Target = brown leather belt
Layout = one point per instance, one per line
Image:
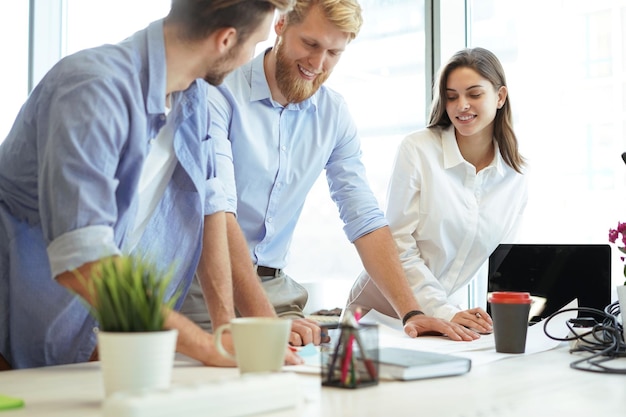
(4, 364)
(264, 271)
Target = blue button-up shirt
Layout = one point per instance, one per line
(269, 156)
(69, 170)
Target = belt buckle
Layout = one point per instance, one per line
(266, 271)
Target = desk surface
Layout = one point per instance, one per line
(542, 384)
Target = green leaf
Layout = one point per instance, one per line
(129, 294)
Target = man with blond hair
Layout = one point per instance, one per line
(276, 128)
(109, 156)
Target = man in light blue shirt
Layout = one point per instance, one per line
(80, 180)
(276, 127)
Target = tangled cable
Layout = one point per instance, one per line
(603, 340)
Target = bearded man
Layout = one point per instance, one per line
(109, 156)
(276, 127)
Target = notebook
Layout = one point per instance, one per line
(407, 364)
(554, 275)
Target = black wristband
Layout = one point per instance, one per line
(410, 314)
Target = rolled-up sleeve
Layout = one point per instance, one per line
(220, 112)
(215, 198)
(73, 249)
(78, 217)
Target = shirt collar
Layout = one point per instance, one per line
(155, 51)
(497, 162)
(260, 89)
(452, 154)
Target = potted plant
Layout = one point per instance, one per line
(129, 297)
(615, 235)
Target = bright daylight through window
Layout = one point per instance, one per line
(566, 67)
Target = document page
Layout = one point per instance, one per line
(479, 351)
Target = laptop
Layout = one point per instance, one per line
(554, 275)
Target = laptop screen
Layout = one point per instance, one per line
(553, 274)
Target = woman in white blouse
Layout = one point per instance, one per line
(456, 192)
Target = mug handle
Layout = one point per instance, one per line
(218, 341)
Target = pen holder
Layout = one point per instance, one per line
(351, 361)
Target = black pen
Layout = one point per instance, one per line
(331, 368)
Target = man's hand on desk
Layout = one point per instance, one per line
(423, 325)
(292, 358)
(306, 331)
(212, 357)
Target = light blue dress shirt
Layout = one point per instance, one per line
(69, 170)
(269, 156)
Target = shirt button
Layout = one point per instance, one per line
(162, 117)
(283, 148)
(269, 219)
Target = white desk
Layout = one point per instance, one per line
(541, 384)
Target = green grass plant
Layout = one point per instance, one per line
(129, 295)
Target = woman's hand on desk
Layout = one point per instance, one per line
(423, 325)
(474, 318)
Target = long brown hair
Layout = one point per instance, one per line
(486, 64)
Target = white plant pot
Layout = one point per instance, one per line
(136, 361)
(621, 297)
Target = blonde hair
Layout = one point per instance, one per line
(345, 14)
(486, 64)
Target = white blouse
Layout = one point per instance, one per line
(446, 220)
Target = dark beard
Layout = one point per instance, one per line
(216, 75)
(291, 86)
(215, 79)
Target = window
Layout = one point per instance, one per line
(14, 79)
(92, 23)
(381, 76)
(566, 69)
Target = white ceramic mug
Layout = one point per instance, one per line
(260, 343)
